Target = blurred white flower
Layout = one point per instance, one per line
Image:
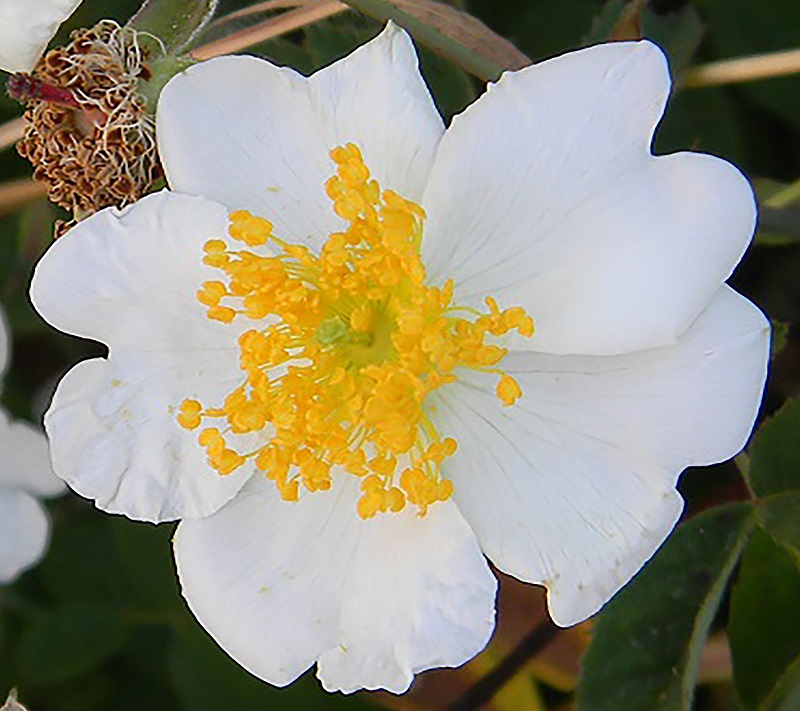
(25, 477)
(26, 27)
(404, 425)
(12, 704)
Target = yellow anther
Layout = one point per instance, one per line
(444, 490)
(439, 451)
(396, 499)
(216, 259)
(372, 483)
(290, 491)
(211, 293)
(221, 313)
(189, 416)
(251, 230)
(369, 504)
(490, 355)
(525, 327)
(508, 390)
(209, 435)
(384, 464)
(227, 461)
(354, 342)
(215, 246)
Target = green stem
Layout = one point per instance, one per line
(162, 70)
(171, 24)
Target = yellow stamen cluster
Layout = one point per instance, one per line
(348, 345)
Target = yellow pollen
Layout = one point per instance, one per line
(189, 416)
(508, 390)
(344, 349)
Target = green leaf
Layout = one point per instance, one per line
(786, 694)
(765, 618)
(70, 641)
(780, 516)
(764, 627)
(647, 640)
(774, 454)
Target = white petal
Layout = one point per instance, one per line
(23, 532)
(251, 135)
(26, 26)
(573, 486)
(114, 438)
(4, 345)
(280, 585)
(25, 460)
(544, 194)
(129, 278)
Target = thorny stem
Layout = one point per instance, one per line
(483, 690)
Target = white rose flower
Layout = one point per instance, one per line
(322, 352)
(25, 477)
(26, 27)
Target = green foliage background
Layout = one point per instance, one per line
(100, 624)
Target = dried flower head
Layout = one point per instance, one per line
(88, 134)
